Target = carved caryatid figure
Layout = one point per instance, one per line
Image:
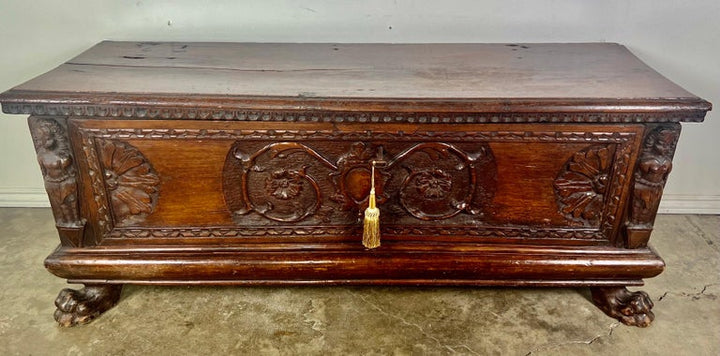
(653, 168)
(58, 169)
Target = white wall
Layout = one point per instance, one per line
(681, 39)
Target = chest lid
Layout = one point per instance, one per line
(129, 78)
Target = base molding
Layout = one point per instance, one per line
(21, 197)
(564, 283)
(18, 197)
(689, 204)
(470, 264)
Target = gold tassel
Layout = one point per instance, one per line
(371, 224)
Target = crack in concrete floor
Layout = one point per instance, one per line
(701, 233)
(693, 296)
(575, 342)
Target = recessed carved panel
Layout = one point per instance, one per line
(314, 182)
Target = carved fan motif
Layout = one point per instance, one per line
(130, 180)
(581, 185)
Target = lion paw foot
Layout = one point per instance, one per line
(630, 308)
(78, 307)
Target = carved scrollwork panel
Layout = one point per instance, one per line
(290, 182)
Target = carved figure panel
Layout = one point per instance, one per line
(130, 180)
(292, 182)
(651, 172)
(60, 176)
(58, 168)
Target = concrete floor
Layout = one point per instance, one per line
(362, 320)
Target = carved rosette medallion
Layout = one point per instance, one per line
(582, 184)
(130, 180)
(443, 181)
(274, 182)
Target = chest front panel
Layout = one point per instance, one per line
(154, 181)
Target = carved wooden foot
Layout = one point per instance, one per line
(78, 307)
(631, 308)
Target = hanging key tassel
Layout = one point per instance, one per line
(371, 224)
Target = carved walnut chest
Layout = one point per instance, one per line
(253, 164)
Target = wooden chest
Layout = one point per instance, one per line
(250, 164)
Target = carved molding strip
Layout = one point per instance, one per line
(488, 232)
(620, 173)
(149, 112)
(469, 136)
(104, 220)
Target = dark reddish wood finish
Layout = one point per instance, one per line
(545, 171)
